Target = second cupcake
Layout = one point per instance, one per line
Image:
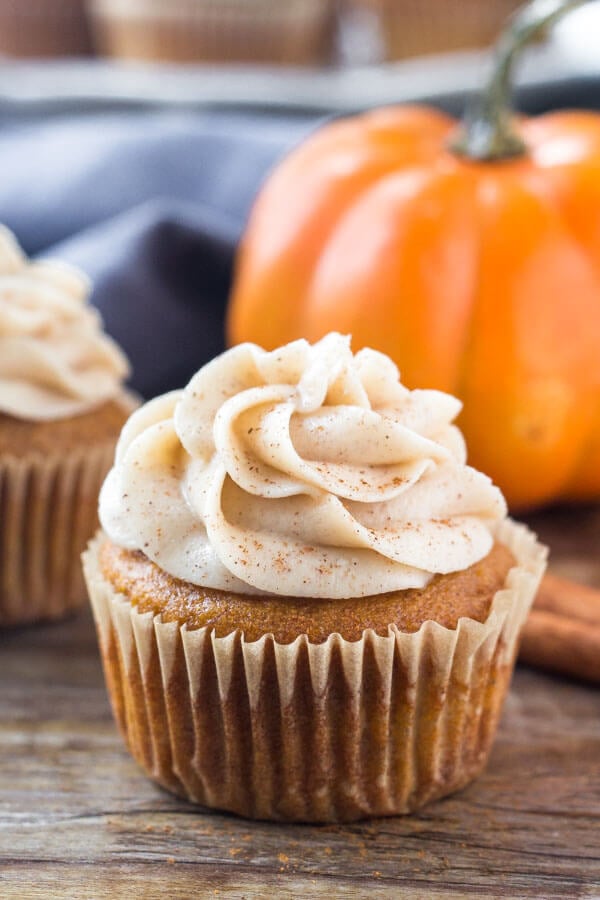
(62, 405)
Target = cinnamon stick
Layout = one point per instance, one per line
(562, 633)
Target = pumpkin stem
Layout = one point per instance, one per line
(487, 131)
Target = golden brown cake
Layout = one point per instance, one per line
(308, 605)
(59, 436)
(444, 600)
(62, 407)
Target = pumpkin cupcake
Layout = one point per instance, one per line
(308, 605)
(62, 406)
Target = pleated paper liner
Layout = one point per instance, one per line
(48, 513)
(416, 27)
(44, 28)
(293, 32)
(48, 510)
(327, 732)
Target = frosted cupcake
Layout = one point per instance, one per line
(308, 605)
(62, 406)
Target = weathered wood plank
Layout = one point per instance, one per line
(105, 882)
(78, 819)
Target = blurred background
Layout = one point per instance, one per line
(295, 32)
(135, 134)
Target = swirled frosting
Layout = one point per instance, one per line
(55, 361)
(307, 472)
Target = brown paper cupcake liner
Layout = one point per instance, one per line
(313, 732)
(416, 27)
(297, 31)
(48, 510)
(44, 28)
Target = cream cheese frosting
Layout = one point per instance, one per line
(307, 471)
(55, 360)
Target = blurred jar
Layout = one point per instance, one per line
(417, 27)
(296, 32)
(43, 28)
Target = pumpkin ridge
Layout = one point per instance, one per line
(469, 337)
(547, 192)
(542, 394)
(304, 313)
(575, 471)
(301, 272)
(353, 209)
(337, 301)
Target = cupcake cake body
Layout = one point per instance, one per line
(62, 406)
(308, 604)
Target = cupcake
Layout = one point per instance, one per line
(308, 605)
(62, 406)
(295, 32)
(417, 27)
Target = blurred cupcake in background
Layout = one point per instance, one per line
(297, 32)
(44, 28)
(62, 406)
(416, 27)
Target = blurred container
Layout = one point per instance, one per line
(416, 27)
(43, 28)
(296, 32)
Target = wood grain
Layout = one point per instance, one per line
(78, 819)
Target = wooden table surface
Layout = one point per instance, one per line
(78, 819)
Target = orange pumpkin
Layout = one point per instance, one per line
(476, 269)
